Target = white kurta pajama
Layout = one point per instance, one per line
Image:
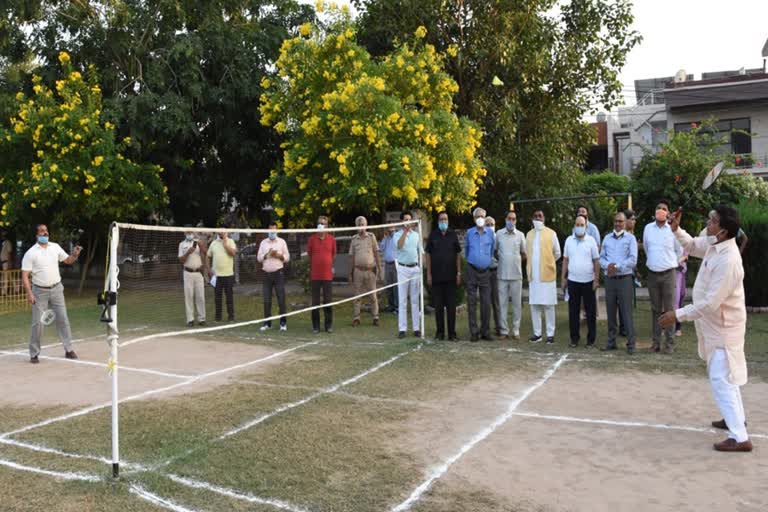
(720, 317)
(542, 296)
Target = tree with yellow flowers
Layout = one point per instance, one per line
(61, 163)
(365, 134)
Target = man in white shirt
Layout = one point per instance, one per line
(40, 265)
(510, 253)
(193, 255)
(720, 316)
(273, 255)
(661, 250)
(543, 251)
(581, 277)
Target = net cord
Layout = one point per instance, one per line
(246, 231)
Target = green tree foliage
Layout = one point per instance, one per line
(677, 172)
(181, 78)
(63, 164)
(528, 72)
(754, 221)
(362, 133)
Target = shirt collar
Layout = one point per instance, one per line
(724, 246)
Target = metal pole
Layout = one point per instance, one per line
(421, 283)
(113, 339)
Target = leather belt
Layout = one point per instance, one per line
(48, 287)
(619, 277)
(193, 271)
(478, 270)
(409, 265)
(389, 262)
(663, 271)
(366, 269)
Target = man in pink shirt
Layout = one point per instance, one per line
(273, 254)
(720, 318)
(321, 249)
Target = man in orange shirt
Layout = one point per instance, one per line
(321, 249)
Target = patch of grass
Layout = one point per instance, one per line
(14, 417)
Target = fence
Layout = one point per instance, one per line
(12, 296)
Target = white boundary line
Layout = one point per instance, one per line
(145, 394)
(229, 326)
(156, 500)
(72, 455)
(477, 438)
(613, 423)
(64, 475)
(238, 495)
(21, 348)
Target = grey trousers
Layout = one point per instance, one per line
(510, 291)
(478, 283)
(49, 299)
(495, 301)
(663, 294)
(619, 297)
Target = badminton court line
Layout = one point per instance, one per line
(64, 475)
(152, 392)
(156, 500)
(19, 348)
(103, 365)
(439, 471)
(72, 455)
(620, 423)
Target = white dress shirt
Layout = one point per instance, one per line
(581, 254)
(660, 247)
(510, 247)
(43, 263)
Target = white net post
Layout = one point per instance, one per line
(112, 340)
(421, 282)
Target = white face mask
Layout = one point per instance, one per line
(480, 222)
(712, 239)
(538, 225)
(321, 226)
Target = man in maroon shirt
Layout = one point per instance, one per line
(321, 249)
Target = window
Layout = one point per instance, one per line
(735, 137)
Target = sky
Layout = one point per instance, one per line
(694, 35)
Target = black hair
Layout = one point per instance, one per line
(37, 227)
(510, 211)
(403, 214)
(537, 210)
(729, 219)
(665, 202)
(443, 212)
(582, 206)
(272, 223)
(628, 213)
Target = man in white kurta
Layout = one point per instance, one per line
(720, 317)
(543, 250)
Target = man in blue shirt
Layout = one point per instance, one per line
(618, 259)
(408, 256)
(478, 249)
(388, 249)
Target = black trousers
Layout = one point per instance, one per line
(444, 299)
(326, 288)
(579, 292)
(274, 280)
(224, 284)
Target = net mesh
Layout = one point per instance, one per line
(152, 281)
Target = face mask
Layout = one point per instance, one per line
(190, 238)
(661, 216)
(42, 239)
(579, 231)
(272, 236)
(510, 225)
(538, 225)
(712, 239)
(443, 226)
(480, 222)
(618, 233)
(321, 226)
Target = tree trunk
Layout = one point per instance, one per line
(90, 253)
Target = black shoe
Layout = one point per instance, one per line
(474, 338)
(630, 350)
(329, 330)
(534, 339)
(315, 331)
(34, 360)
(550, 340)
(439, 336)
(401, 334)
(573, 344)
(453, 338)
(608, 348)
(590, 345)
(487, 338)
(231, 319)
(190, 324)
(70, 355)
(417, 334)
(201, 323)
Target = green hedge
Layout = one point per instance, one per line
(754, 222)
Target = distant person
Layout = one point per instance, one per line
(490, 223)
(40, 266)
(364, 268)
(273, 255)
(222, 253)
(618, 259)
(478, 250)
(409, 252)
(743, 240)
(720, 315)
(193, 255)
(321, 250)
(6, 261)
(388, 250)
(581, 278)
(543, 251)
(443, 275)
(660, 248)
(591, 227)
(510, 253)
(680, 290)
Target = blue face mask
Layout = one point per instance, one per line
(443, 226)
(42, 239)
(510, 225)
(272, 236)
(580, 231)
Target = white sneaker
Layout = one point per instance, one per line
(265, 327)
(283, 327)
